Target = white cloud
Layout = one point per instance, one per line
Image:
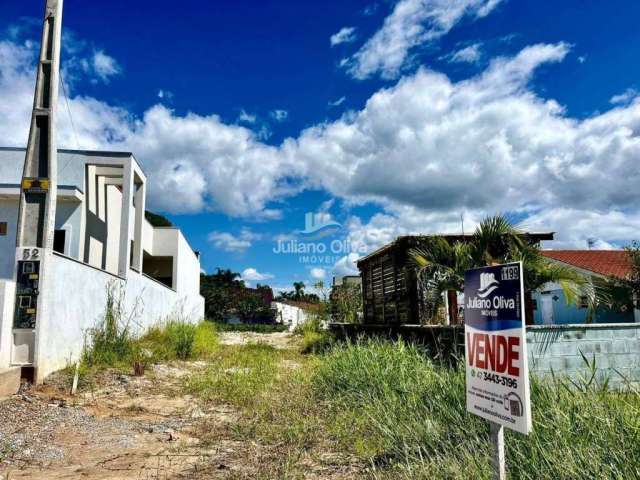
(279, 115)
(317, 273)
(165, 95)
(370, 9)
(245, 117)
(337, 102)
(470, 54)
(412, 22)
(625, 97)
(253, 275)
(345, 35)
(104, 66)
(424, 150)
(346, 266)
(231, 243)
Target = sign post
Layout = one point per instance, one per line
(497, 371)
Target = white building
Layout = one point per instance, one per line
(101, 238)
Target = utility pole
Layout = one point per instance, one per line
(36, 220)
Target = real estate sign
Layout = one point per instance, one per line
(496, 348)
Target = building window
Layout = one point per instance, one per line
(59, 237)
(3, 229)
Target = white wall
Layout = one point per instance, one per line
(69, 218)
(66, 319)
(9, 214)
(114, 216)
(7, 299)
(289, 315)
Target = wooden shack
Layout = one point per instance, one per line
(390, 285)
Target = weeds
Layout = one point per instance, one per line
(111, 341)
(315, 338)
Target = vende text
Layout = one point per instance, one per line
(494, 352)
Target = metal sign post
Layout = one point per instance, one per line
(499, 462)
(497, 371)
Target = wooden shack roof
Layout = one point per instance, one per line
(408, 241)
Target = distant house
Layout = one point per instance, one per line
(292, 313)
(551, 306)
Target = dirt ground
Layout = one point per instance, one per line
(131, 427)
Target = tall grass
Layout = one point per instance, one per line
(407, 416)
(111, 341)
(315, 338)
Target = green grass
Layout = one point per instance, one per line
(237, 374)
(391, 408)
(116, 347)
(249, 327)
(407, 415)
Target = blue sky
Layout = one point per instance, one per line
(390, 117)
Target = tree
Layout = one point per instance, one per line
(219, 292)
(346, 302)
(299, 288)
(157, 220)
(633, 281)
(441, 266)
(298, 294)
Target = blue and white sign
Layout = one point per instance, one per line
(495, 345)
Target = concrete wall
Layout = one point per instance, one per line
(66, 319)
(7, 299)
(9, 214)
(616, 348)
(68, 217)
(289, 315)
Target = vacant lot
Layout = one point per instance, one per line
(251, 405)
(180, 420)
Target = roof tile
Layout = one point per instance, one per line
(611, 263)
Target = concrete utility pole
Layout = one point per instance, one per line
(36, 220)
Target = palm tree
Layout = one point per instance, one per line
(299, 287)
(441, 265)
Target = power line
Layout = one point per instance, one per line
(73, 127)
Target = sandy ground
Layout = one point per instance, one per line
(280, 340)
(128, 427)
